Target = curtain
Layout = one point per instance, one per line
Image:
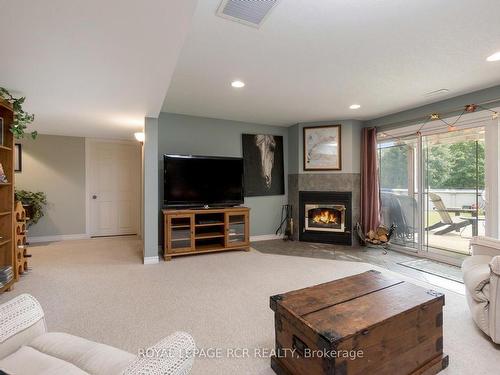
(370, 186)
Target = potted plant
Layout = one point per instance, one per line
(21, 118)
(34, 204)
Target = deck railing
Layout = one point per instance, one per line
(451, 197)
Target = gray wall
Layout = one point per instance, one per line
(293, 149)
(56, 166)
(205, 136)
(150, 187)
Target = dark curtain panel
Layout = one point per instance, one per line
(370, 186)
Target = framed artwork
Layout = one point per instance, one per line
(18, 157)
(263, 164)
(1, 131)
(322, 148)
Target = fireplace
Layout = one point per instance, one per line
(325, 217)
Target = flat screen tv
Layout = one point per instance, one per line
(192, 181)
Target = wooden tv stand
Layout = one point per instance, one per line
(200, 231)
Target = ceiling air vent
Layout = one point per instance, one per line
(248, 12)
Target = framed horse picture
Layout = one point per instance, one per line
(263, 164)
(322, 148)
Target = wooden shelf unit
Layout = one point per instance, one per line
(199, 231)
(4, 242)
(7, 286)
(209, 225)
(21, 245)
(7, 257)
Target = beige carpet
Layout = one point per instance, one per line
(99, 290)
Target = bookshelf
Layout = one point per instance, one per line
(7, 194)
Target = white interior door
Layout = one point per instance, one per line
(114, 172)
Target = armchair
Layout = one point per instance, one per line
(27, 348)
(481, 273)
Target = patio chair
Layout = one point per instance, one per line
(409, 210)
(400, 210)
(386, 202)
(446, 220)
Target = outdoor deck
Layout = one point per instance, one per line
(457, 242)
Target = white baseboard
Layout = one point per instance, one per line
(152, 260)
(59, 237)
(265, 237)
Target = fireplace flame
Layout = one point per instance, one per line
(325, 217)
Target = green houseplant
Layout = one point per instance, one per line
(35, 203)
(21, 118)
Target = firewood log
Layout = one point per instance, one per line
(371, 234)
(382, 230)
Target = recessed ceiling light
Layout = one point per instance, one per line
(437, 92)
(238, 84)
(494, 57)
(355, 106)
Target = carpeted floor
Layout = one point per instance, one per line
(98, 289)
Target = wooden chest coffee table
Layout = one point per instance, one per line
(363, 324)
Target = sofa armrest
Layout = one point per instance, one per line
(174, 355)
(494, 303)
(21, 320)
(485, 246)
(495, 265)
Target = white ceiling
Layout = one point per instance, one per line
(312, 59)
(91, 67)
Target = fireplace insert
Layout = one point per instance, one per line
(325, 217)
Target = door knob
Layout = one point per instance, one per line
(94, 196)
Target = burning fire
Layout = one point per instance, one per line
(325, 217)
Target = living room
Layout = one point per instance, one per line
(234, 187)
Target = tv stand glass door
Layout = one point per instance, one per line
(236, 228)
(181, 229)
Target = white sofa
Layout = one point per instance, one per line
(481, 273)
(26, 348)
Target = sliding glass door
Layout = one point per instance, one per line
(433, 190)
(399, 189)
(454, 196)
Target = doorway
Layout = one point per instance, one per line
(454, 189)
(113, 170)
(433, 187)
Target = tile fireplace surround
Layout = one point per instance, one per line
(332, 182)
